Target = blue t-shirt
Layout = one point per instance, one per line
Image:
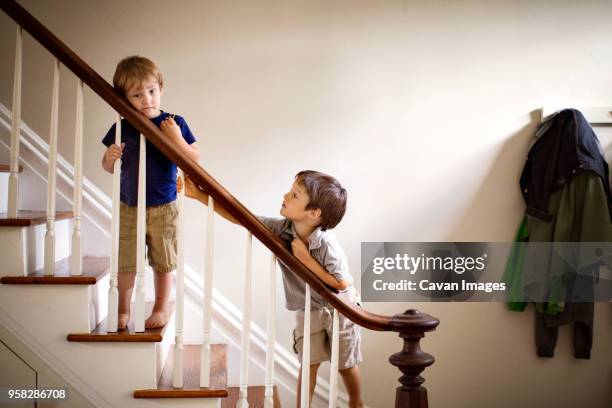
(161, 172)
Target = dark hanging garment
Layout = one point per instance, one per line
(579, 214)
(566, 189)
(566, 147)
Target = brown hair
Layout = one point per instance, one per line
(135, 69)
(326, 194)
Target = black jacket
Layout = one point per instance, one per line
(567, 147)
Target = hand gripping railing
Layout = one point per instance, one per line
(410, 325)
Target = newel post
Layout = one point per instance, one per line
(411, 361)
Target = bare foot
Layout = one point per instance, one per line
(157, 320)
(123, 320)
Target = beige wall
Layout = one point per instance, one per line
(424, 110)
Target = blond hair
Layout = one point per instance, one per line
(135, 69)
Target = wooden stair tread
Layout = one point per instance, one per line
(6, 168)
(26, 218)
(94, 269)
(128, 335)
(256, 395)
(191, 375)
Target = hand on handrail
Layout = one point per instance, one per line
(195, 192)
(191, 191)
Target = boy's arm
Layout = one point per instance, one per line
(298, 247)
(193, 191)
(112, 153)
(173, 131)
(301, 252)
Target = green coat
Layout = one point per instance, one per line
(580, 214)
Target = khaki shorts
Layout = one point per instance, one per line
(349, 354)
(160, 238)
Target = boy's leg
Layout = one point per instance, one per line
(127, 263)
(161, 309)
(349, 358)
(161, 242)
(311, 385)
(125, 287)
(352, 381)
(319, 347)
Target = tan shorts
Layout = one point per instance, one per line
(321, 335)
(160, 238)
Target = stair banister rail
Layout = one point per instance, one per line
(305, 371)
(270, 336)
(333, 363)
(49, 257)
(13, 191)
(177, 367)
(410, 325)
(205, 351)
(113, 287)
(246, 325)
(76, 254)
(141, 232)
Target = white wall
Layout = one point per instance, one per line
(423, 110)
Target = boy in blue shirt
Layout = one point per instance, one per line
(315, 204)
(141, 83)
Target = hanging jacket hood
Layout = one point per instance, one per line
(567, 146)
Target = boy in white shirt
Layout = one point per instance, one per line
(315, 204)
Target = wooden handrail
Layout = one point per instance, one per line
(411, 325)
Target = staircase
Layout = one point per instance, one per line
(65, 315)
(54, 299)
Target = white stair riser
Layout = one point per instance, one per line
(22, 249)
(47, 311)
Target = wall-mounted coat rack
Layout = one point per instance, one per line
(596, 115)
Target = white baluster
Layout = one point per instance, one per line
(177, 373)
(333, 369)
(271, 341)
(113, 292)
(246, 325)
(76, 255)
(305, 391)
(207, 301)
(50, 234)
(139, 314)
(13, 193)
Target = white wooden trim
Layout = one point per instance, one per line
(141, 230)
(596, 115)
(113, 288)
(205, 358)
(271, 338)
(305, 390)
(76, 254)
(177, 373)
(333, 366)
(51, 183)
(246, 324)
(13, 192)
